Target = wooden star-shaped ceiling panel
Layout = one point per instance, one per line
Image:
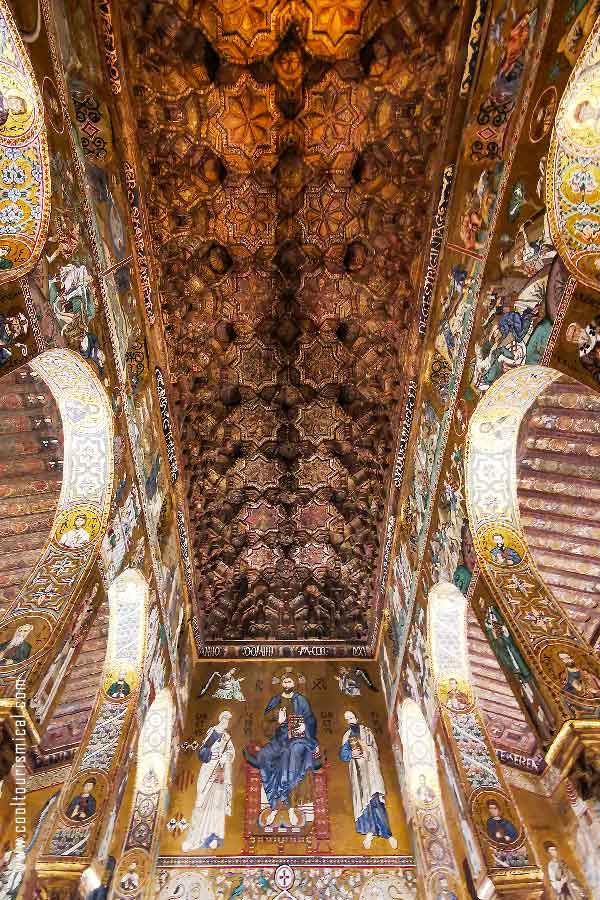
(289, 150)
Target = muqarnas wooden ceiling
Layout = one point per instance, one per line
(289, 151)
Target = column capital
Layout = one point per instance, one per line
(526, 883)
(574, 738)
(58, 880)
(10, 711)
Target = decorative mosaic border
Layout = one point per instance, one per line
(297, 862)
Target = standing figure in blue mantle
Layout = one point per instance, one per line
(292, 751)
(368, 789)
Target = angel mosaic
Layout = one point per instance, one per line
(228, 686)
(351, 680)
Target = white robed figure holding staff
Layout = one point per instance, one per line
(213, 790)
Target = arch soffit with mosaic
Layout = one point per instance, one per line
(24, 160)
(92, 789)
(573, 168)
(553, 645)
(447, 635)
(424, 798)
(482, 784)
(147, 813)
(40, 612)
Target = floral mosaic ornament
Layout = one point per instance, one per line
(24, 165)
(423, 798)
(146, 816)
(573, 169)
(286, 883)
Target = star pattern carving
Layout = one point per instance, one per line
(289, 147)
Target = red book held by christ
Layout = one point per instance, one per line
(294, 729)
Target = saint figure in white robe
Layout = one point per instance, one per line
(359, 749)
(563, 881)
(213, 789)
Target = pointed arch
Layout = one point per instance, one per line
(135, 867)
(534, 615)
(424, 800)
(573, 168)
(24, 158)
(90, 790)
(501, 834)
(39, 615)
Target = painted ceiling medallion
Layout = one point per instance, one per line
(24, 168)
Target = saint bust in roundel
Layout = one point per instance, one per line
(502, 545)
(11, 105)
(77, 528)
(18, 110)
(17, 648)
(503, 555)
(498, 827)
(83, 805)
(77, 536)
(23, 638)
(457, 700)
(575, 671)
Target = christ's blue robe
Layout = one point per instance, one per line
(284, 761)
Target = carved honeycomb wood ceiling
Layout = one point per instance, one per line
(289, 150)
